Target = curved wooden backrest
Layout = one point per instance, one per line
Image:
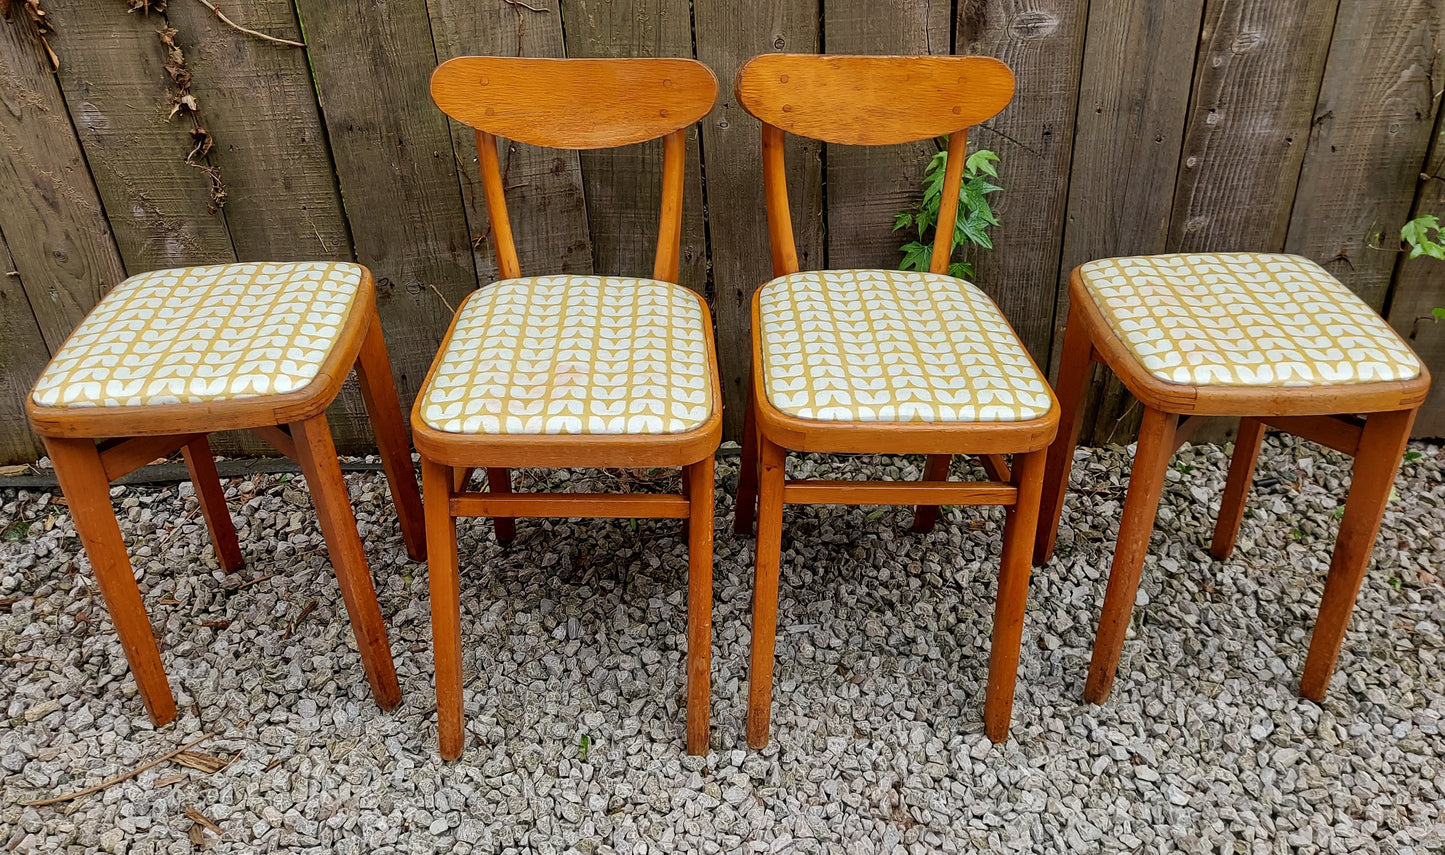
(574, 103)
(873, 100)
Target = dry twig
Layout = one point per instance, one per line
(118, 778)
(247, 30)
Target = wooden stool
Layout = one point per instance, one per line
(1271, 338)
(562, 371)
(885, 361)
(171, 356)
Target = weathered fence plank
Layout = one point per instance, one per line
(1043, 42)
(1372, 127)
(624, 185)
(62, 244)
(23, 355)
(1256, 79)
(868, 186)
(544, 186)
(727, 35)
(396, 167)
(258, 103)
(1133, 100)
(112, 71)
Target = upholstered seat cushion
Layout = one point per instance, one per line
(893, 346)
(200, 334)
(573, 355)
(1244, 319)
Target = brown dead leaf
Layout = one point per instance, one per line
(201, 762)
(171, 779)
(1428, 578)
(198, 836)
(17, 469)
(201, 818)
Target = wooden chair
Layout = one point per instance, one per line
(876, 361)
(1271, 338)
(171, 356)
(558, 371)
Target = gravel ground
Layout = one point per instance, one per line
(575, 640)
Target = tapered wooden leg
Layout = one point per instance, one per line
(212, 497)
(82, 480)
(925, 516)
(1074, 368)
(446, 606)
(747, 471)
(1236, 489)
(1377, 461)
(499, 480)
(765, 589)
(319, 463)
(378, 389)
(686, 491)
(699, 603)
(1146, 482)
(461, 477)
(1013, 591)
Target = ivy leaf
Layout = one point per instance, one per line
(960, 270)
(916, 256)
(1439, 314)
(905, 219)
(983, 161)
(1416, 234)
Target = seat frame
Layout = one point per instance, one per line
(571, 103)
(294, 424)
(844, 99)
(1327, 414)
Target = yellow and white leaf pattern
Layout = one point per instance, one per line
(198, 334)
(573, 355)
(893, 346)
(1245, 319)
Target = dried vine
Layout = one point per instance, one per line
(182, 101)
(38, 20)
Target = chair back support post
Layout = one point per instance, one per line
(775, 188)
(669, 221)
(948, 205)
(501, 227)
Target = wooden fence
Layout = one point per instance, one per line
(1140, 126)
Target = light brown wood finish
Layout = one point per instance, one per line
(852, 99)
(926, 516)
(1326, 414)
(1013, 590)
(572, 104)
(295, 423)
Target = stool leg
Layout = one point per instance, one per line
(765, 589)
(82, 480)
(212, 497)
(1073, 381)
(1377, 460)
(926, 516)
(1146, 482)
(1236, 489)
(499, 480)
(1013, 591)
(446, 607)
(378, 390)
(699, 603)
(317, 453)
(747, 471)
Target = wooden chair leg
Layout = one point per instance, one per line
(747, 471)
(699, 603)
(926, 516)
(765, 589)
(317, 455)
(1073, 381)
(1013, 591)
(1146, 483)
(446, 607)
(212, 497)
(82, 480)
(1236, 488)
(499, 480)
(687, 491)
(1382, 445)
(378, 390)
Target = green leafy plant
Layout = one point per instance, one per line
(1416, 235)
(975, 216)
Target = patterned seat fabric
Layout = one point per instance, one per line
(199, 334)
(893, 346)
(1246, 319)
(573, 355)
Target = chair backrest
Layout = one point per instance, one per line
(868, 100)
(578, 104)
